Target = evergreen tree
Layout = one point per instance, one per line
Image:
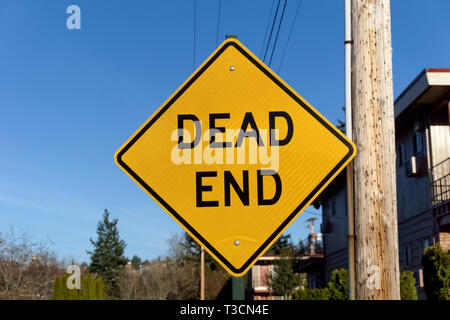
(57, 293)
(338, 285)
(107, 258)
(88, 288)
(136, 262)
(283, 246)
(190, 248)
(91, 289)
(341, 124)
(187, 249)
(436, 273)
(99, 289)
(408, 289)
(283, 280)
(301, 248)
(66, 293)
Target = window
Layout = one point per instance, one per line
(401, 154)
(417, 142)
(333, 207)
(417, 277)
(346, 204)
(425, 244)
(407, 255)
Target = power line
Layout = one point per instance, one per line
(267, 28)
(278, 31)
(290, 33)
(218, 23)
(310, 212)
(323, 215)
(271, 30)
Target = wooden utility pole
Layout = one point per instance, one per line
(202, 274)
(377, 265)
(349, 134)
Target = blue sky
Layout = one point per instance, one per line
(70, 98)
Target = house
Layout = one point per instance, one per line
(306, 261)
(422, 113)
(259, 273)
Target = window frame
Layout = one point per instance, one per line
(401, 153)
(417, 142)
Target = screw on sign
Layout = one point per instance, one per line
(234, 156)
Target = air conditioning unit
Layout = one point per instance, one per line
(326, 227)
(416, 166)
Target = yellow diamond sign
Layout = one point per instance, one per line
(234, 156)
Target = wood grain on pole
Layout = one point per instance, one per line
(202, 273)
(374, 166)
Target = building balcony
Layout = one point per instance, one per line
(440, 189)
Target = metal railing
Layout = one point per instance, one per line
(310, 246)
(440, 182)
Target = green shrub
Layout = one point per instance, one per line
(99, 288)
(338, 288)
(57, 293)
(283, 279)
(338, 285)
(311, 294)
(91, 289)
(436, 273)
(408, 289)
